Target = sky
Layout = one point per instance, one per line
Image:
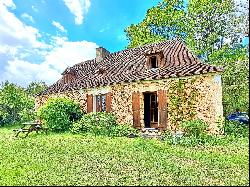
(40, 38)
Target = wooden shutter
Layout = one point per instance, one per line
(162, 107)
(160, 60)
(136, 109)
(89, 103)
(108, 102)
(148, 62)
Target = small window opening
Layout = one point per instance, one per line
(153, 61)
(101, 103)
(101, 71)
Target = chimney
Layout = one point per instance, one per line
(101, 53)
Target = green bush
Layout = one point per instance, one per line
(14, 102)
(124, 130)
(194, 134)
(27, 115)
(236, 129)
(194, 128)
(99, 123)
(57, 113)
(102, 123)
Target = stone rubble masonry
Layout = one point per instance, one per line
(208, 107)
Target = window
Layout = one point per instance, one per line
(101, 103)
(68, 78)
(153, 62)
(153, 108)
(102, 71)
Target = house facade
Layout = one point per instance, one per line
(153, 86)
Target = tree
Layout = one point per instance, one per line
(213, 30)
(235, 77)
(35, 88)
(204, 25)
(211, 25)
(164, 21)
(13, 101)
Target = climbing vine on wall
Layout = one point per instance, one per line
(182, 101)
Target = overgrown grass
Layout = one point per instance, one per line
(66, 159)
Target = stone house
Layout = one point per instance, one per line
(152, 86)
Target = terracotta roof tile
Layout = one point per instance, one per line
(129, 65)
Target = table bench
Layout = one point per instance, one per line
(29, 127)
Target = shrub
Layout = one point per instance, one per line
(194, 134)
(99, 123)
(27, 115)
(102, 123)
(194, 127)
(14, 102)
(190, 140)
(236, 129)
(57, 113)
(124, 130)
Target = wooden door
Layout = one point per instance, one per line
(162, 99)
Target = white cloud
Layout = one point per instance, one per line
(28, 17)
(12, 51)
(78, 8)
(23, 58)
(8, 3)
(14, 32)
(70, 53)
(59, 26)
(65, 54)
(23, 72)
(58, 41)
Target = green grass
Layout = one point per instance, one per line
(66, 159)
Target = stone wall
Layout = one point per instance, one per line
(208, 102)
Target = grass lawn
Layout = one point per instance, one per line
(66, 159)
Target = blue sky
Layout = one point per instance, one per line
(40, 38)
(103, 21)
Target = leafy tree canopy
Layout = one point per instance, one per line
(213, 30)
(17, 103)
(36, 88)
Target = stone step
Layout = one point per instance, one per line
(149, 130)
(150, 133)
(151, 136)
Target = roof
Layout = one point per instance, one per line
(129, 65)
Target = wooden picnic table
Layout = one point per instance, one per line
(30, 127)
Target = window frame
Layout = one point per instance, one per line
(159, 59)
(151, 61)
(100, 106)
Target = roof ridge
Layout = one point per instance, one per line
(116, 52)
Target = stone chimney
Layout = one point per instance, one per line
(101, 53)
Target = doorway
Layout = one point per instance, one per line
(150, 110)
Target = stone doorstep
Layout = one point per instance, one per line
(150, 133)
(150, 130)
(151, 136)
